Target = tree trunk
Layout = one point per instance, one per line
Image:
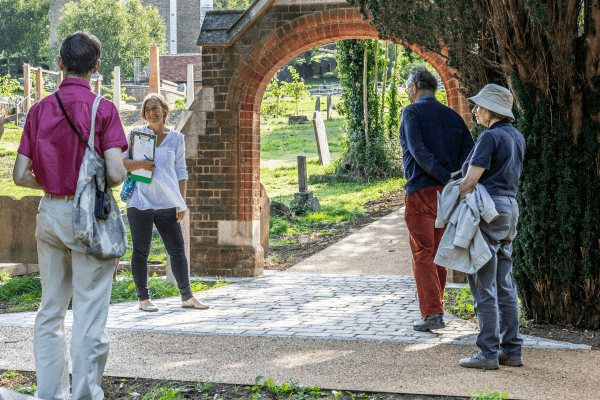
(365, 90)
(385, 72)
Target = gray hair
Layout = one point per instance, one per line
(422, 79)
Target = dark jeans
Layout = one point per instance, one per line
(420, 214)
(494, 292)
(140, 222)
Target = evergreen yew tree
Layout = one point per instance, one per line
(547, 52)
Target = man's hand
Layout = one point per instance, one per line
(22, 176)
(452, 175)
(180, 216)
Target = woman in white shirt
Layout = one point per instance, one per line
(160, 202)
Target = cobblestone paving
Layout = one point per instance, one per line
(299, 305)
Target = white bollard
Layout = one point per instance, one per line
(190, 85)
(117, 88)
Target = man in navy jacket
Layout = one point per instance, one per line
(435, 143)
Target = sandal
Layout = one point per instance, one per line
(149, 306)
(194, 303)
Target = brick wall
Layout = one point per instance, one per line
(224, 177)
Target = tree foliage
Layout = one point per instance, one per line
(377, 153)
(297, 89)
(231, 4)
(126, 30)
(546, 52)
(8, 86)
(24, 32)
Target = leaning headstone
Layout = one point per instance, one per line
(318, 104)
(321, 137)
(329, 107)
(6, 394)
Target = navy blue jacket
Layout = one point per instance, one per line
(435, 142)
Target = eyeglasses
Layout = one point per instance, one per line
(152, 110)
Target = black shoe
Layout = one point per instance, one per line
(511, 361)
(477, 360)
(433, 321)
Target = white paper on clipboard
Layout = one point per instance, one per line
(143, 148)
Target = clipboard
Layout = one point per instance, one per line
(141, 145)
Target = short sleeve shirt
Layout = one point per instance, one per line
(52, 145)
(500, 150)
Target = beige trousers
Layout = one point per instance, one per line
(66, 271)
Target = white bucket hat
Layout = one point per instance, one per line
(495, 98)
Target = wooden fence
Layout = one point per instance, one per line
(46, 82)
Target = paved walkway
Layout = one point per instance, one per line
(348, 329)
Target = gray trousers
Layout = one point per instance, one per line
(494, 292)
(66, 271)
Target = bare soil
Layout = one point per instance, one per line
(121, 388)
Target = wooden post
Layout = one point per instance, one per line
(26, 86)
(39, 83)
(98, 86)
(1, 126)
(302, 178)
(329, 107)
(17, 115)
(190, 86)
(154, 70)
(117, 87)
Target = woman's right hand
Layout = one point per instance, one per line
(148, 165)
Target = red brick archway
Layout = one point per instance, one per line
(254, 72)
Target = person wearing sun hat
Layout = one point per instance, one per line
(496, 162)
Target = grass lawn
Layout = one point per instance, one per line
(280, 145)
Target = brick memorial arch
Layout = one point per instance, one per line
(241, 52)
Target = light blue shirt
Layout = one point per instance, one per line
(169, 168)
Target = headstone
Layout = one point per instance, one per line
(321, 137)
(136, 70)
(329, 107)
(6, 394)
(303, 195)
(265, 213)
(297, 119)
(318, 104)
(302, 176)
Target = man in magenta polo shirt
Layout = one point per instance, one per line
(49, 159)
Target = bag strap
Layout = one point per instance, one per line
(69, 119)
(93, 127)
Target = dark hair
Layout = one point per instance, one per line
(79, 52)
(422, 79)
(161, 100)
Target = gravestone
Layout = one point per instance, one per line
(321, 137)
(329, 107)
(297, 119)
(303, 195)
(318, 104)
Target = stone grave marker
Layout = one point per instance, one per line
(318, 104)
(303, 195)
(329, 107)
(321, 137)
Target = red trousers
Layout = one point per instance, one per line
(420, 214)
